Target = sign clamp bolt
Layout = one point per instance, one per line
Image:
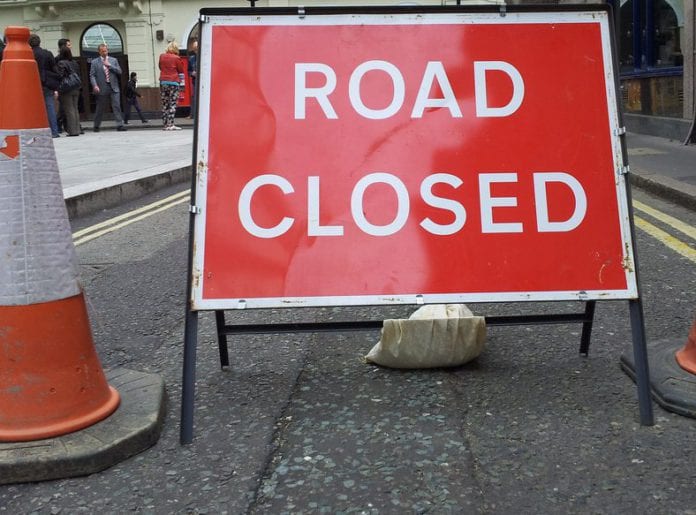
(195, 210)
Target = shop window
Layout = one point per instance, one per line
(667, 48)
(649, 35)
(97, 34)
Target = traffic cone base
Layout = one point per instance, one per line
(132, 428)
(671, 386)
(51, 382)
(673, 373)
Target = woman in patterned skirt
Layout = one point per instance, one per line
(171, 79)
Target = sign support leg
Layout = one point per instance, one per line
(640, 358)
(189, 378)
(587, 327)
(222, 338)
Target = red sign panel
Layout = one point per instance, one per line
(369, 159)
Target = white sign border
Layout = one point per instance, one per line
(601, 17)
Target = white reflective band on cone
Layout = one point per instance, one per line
(37, 256)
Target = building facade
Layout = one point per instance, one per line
(655, 40)
(656, 60)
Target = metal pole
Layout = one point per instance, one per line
(222, 338)
(640, 359)
(587, 328)
(188, 382)
(640, 351)
(188, 388)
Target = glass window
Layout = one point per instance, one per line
(649, 34)
(97, 34)
(626, 37)
(667, 48)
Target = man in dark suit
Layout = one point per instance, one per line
(105, 75)
(49, 80)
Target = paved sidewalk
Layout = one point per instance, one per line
(668, 158)
(664, 167)
(101, 169)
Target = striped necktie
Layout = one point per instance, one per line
(106, 70)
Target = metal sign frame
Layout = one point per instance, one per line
(403, 15)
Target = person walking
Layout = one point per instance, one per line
(104, 75)
(193, 71)
(49, 80)
(69, 98)
(171, 79)
(132, 96)
(62, 125)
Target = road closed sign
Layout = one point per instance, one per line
(408, 156)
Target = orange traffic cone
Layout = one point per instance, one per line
(51, 380)
(686, 357)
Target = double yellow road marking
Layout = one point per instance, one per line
(685, 249)
(113, 224)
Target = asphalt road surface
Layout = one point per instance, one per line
(299, 424)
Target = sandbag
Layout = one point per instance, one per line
(437, 335)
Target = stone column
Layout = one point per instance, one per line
(689, 52)
(140, 53)
(50, 34)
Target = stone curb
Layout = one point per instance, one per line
(135, 426)
(679, 192)
(85, 203)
